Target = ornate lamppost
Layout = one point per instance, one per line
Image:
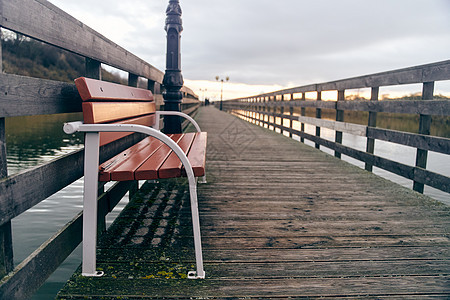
(221, 88)
(173, 79)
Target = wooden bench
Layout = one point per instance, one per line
(112, 111)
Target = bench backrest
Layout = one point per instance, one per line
(105, 102)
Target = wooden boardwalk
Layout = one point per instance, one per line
(279, 219)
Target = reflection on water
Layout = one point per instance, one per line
(33, 140)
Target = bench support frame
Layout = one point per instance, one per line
(91, 189)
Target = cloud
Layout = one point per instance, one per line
(266, 42)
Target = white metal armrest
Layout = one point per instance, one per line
(174, 113)
(91, 172)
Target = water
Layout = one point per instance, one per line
(32, 141)
(35, 140)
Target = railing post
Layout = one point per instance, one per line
(424, 128)
(370, 147)
(339, 118)
(151, 86)
(6, 247)
(318, 116)
(173, 79)
(282, 113)
(291, 113)
(133, 80)
(303, 113)
(93, 69)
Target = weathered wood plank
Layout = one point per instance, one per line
(295, 269)
(37, 19)
(24, 96)
(354, 129)
(261, 288)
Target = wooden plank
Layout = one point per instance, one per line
(430, 107)
(172, 166)
(91, 89)
(197, 154)
(26, 96)
(149, 169)
(109, 166)
(125, 171)
(36, 18)
(350, 287)
(104, 112)
(354, 129)
(426, 142)
(302, 269)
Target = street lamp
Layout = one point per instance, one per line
(221, 88)
(173, 79)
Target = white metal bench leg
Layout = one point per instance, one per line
(202, 179)
(200, 274)
(91, 162)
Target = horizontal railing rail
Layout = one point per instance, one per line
(28, 96)
(280, 110)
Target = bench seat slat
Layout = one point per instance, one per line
(106, 112)
(172, 166)
(92, 89)
(121, 167)
(149, 169)
(197, 154)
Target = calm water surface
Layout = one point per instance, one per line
(32, 141)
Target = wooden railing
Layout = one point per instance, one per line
(276, 109)
(24, 96)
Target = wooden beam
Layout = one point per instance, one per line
(26, 96)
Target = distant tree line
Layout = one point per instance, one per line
(28, 57)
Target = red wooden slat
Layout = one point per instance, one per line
(126, 170)
(92, 89)
(197, 154)
(106, 169)
(105, 112)
(149, 169)
(172, 166)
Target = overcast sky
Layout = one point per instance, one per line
(265, 45)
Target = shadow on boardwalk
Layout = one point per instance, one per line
(279, 219)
